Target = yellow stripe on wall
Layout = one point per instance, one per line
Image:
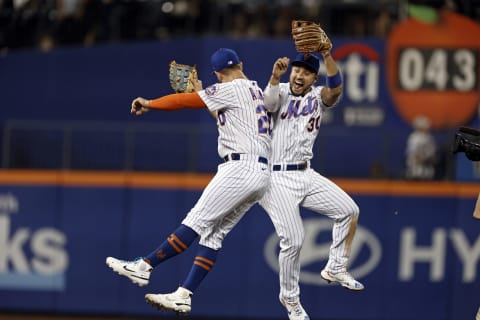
(188, 181)
(198, 181)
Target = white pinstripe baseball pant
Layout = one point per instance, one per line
(235, 188)
(287, 192)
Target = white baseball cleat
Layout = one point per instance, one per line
(295, 310)
(138, 271)
(179, 301)
(343, 278)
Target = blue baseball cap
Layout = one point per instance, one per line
(224, 58)
(307, 60)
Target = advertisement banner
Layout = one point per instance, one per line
(418, 255)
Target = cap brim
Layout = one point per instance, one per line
(305, 65)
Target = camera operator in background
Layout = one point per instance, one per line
(467, 140)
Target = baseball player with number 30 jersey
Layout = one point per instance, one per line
(297, 109)
(244, 144)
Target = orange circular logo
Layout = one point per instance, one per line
(434, 69)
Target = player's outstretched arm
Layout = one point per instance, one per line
(279, 68)
(334, 83)
(271, 95)
(168, 103)
(139, 106)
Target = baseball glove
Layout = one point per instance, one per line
(181, 77)
(309, 37)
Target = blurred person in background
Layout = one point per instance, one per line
(383, 23)
(420, 151)
(49, 23)
(20, 21)
(70, 22)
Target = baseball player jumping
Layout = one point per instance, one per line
(241, 180)
(297, 109)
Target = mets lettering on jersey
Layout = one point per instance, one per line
(310, 105)
(290, 144)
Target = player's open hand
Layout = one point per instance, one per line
(139, 106)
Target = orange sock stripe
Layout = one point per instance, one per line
(172, 243)
(179, 242)
(204, 266)
(210, 262)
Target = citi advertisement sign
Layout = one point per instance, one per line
(30, 259)
(362, 101)
(367, 253)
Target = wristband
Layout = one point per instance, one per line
(335, 80)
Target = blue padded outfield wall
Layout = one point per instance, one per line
(417, 250)
(68, 110)
(85, 94)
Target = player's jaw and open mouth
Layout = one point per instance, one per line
(297, 87)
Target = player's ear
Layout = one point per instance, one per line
(218, 75)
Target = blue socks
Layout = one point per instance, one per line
(178, 242)
(175, 244)
(204, 262)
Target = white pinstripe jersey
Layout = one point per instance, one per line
(242, 120)
(296, 123)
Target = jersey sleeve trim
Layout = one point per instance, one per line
(178, 101)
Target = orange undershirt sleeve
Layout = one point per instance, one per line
(178, 101)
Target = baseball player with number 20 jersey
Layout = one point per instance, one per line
(244, 144)
(297, 109)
